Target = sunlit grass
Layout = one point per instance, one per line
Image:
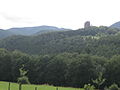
(14, 86)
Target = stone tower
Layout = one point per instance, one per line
(87, 24)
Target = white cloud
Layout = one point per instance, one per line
(61, 13)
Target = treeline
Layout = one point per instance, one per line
(65, 69)
(101, 41)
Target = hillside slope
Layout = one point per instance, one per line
(5, 33)
(95, 40)
(116, 25)
(34, 30)
(27, 31)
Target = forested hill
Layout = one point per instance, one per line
(102, 41)
(28, 31)
(5, 33)
(116, 25)
(35, 30)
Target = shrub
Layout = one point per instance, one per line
(23, 80)
(89, 87)
(114, 87)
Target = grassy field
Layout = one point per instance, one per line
(14, 86)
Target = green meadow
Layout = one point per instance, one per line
(15, 86)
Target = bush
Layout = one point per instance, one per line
(23, 80)
(89, 87)
(114, 87)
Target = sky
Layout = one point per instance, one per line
(60, 13)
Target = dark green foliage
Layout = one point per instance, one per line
(113, 70)
(23, 79)
(66, 69)
(99, 80)
(71, 58)
(55, 72)
(101, 41)
(78, 69)
(89, 87)
(5, 65)
(114, 87)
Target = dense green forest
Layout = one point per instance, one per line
(67, 58)
(65, 69)
(101, 41)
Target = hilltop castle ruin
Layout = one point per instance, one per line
(87, 24)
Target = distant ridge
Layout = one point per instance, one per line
(116, 25)
(5, 33)
(34, 30)
(27, 31)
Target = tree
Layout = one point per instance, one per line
(80, 71)
(112, 73)
(55, 72)
(89, 87)
(99, 80)
(23, 79)
(114, 87)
